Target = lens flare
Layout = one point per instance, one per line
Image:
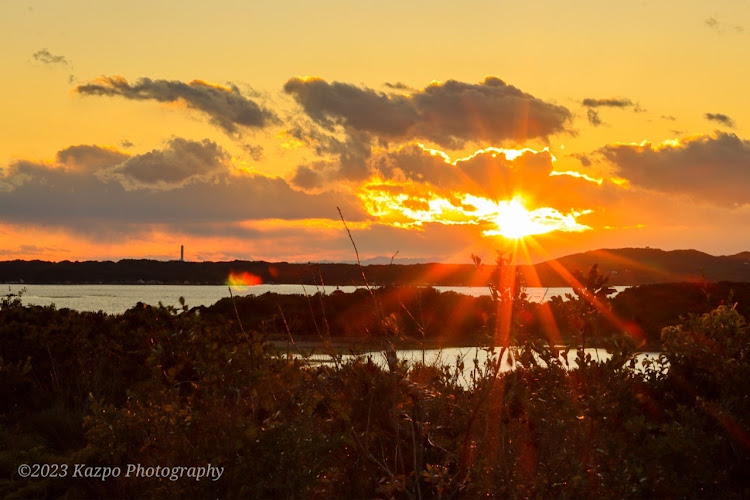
(243, 279)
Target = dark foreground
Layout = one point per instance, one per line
(197, 390)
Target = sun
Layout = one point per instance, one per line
(406, 205)
(511, 219)
(514, 221)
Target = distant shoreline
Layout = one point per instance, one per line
(625, 267)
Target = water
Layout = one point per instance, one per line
(116, 299)
(474, 359)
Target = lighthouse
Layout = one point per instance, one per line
(182, 253)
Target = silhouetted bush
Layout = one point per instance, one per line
(162, 386)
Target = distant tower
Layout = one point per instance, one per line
(182, 253)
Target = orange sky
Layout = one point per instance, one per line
(439, 130)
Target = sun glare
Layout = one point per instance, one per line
(510, 219)
(513, 220)
(407, 204)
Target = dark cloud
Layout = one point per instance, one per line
(592, 114)
(490, 111)
(44, 56)
(610, 102)
(720, 118)
(593, 117)
(714, 169)
(180, 162)
(669, 118)
(100, 206)
(347, 119)
(448, 113)
(363, 109)
(126, 143)
(226, 106)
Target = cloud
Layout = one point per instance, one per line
(180, 162)
(397, 86)
(100, 201)
(719, 27)
(44, 56)
(610, 102)
(227, 108)
(584, 159)
(448, 113)
(24, 251)
(593, 117)
(417, 188)
(714, 169)
(90, 158)
(720, 118)
(255, 152)
(309, 177)
(490, 173)
(346, 120)
(342, 157)
(490, 111)
(355, 108)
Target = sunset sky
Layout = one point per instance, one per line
(440, 129)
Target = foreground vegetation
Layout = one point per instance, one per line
(160, 386)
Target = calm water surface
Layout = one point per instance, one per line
(116, 299)
(474, 359)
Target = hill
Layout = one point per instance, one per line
(636, 266)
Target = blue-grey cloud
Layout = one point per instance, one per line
(180, 162)
(121, 196)
(447, 113)
(720, 118)
(713, 169)
(610, 102)
(226, 107)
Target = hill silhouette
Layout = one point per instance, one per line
(625, 266)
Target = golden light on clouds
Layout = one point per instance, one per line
(287, 141)
(393, 204)
(509, 153)
(310, 224)
(507, 197)
(513, 220)
(578, 175)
